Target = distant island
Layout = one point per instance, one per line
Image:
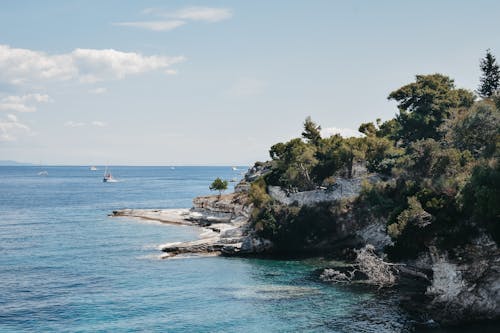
(14, 163)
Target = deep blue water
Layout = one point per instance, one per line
(65, 266)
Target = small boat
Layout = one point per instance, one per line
(42, 172)
(108, 177)
(234, 168)
(93, 168)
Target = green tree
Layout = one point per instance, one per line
(329, 157)
(368, 129)
(389, 129)
(381, 155)
(490, 78)
(353, 150)
(218, 185)
(311, 131)
(476, 129)
(481, 197)
(425, 104)
(293, 163)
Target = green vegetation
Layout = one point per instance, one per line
(425, 104)
(490, 80)
(218, 185)
(297, 229)
(438, 156)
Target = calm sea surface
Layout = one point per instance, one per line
(65, 266)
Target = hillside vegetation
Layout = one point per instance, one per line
(438, 159)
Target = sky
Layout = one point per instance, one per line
(216, 82)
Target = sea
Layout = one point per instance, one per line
(67, 266)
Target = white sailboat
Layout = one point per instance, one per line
(42, 172)
(108, 177)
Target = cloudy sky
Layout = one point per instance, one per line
(216, 82)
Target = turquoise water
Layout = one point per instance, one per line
(65, 266)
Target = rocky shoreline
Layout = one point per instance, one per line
(448, 288)
(226, 219)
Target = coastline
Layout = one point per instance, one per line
(176, 216)
(224, 230)
(423, 286)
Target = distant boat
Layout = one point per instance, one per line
(42, 172)
(234, 168)
(93, 168)
(108, 177)
(172, 168)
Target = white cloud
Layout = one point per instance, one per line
(18, 66)
(206, 14)
(98, 123)
(247, 87)
(11, 128)
(153, 25)
(179, 18)
(23, 103)
(98, 91)
(98, 65)
(171, 72)
(21, 65)
(343, 132)
(73, 124)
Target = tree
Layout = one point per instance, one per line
(329, 157)
(368, 129)
(389, 129)
(218, 185)
(293, 162)
(490, 79)
(311, 131)
(481, 195)
(381, 155)
(476, 129)
(352, 150)
(425, 104)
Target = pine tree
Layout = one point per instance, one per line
(490, 80)
(312, 131)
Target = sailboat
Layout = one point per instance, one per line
(42, 172)
(108, 177)
(93, 168)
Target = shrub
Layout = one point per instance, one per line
(258, 193)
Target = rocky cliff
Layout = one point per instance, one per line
(457, 286)
(465, 283)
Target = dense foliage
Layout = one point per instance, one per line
(425, 104)
(438, 156)
(297, 229)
